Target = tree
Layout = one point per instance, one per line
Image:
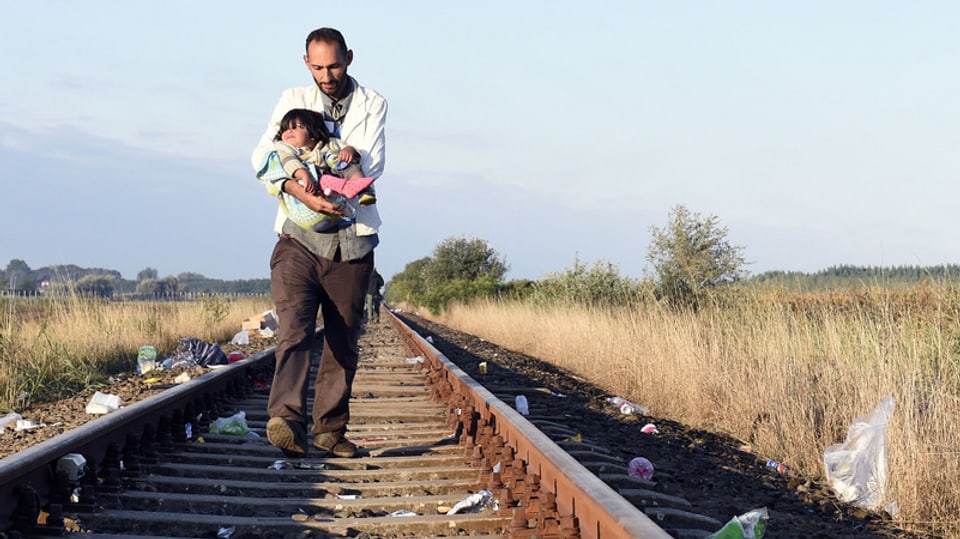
(692, 255)
(147, 273)
(464, 259)
(460, 269)
(101, 286)
(20, 276)
(408, 285)
(166, 287)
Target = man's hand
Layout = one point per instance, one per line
(316, 202)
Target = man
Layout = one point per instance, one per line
(326, 271)
(374, 297)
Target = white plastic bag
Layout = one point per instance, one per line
(750, 525)
(857, 468)
(235, 425)
(103, 403)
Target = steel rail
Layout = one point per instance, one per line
(601, 511)
(34, 466)
(543, 492)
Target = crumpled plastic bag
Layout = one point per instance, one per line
(193, 352)
(857, 468)
(235, 425)
(750, 525)
(475, 503)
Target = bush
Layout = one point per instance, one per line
(460, 269)
(691, 256)
(460, 291)
(597, 285)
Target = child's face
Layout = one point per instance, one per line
(296, 135)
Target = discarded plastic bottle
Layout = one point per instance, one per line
(522, 406)
(780, 468)
(146, 359)
(626, 407)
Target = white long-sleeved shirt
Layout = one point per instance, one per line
(362, 127)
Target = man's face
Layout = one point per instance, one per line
(328, 65)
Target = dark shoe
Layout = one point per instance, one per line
(334, 442)
(289, 436)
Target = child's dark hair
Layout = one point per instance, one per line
(312, 120)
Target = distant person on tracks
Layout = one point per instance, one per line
(374, 296)
(326, 271)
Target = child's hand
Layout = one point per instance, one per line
(302, 176)
(348, 154)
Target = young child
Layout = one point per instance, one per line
(303, 139)
(305, 151)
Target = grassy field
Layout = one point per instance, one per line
(785, 372)
(50, 349)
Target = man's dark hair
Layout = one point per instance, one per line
(312, 120)
(327, 35)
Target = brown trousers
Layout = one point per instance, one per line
(303, 284)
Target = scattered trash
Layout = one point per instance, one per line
(102, 403)
(235, 425)
(188, 430)
(151, 381)
(226, 533)
(280, 465)
(12, 417)
(857, 468)
(348, 496)
(193, 352)
(266, 320)
(146, 359)
(74, 464)
(403, 513)
(522, 406)
(266, 333)
(640, 468)
(182, 378)
(26, 424)
(750, 525)
(235, 356)
(559, 395)
(626, 407)
(413, 360)
(241, 337)
(429, 339)
(779, 468)
(577, 438)
(475, 503)
(649, 428)
(308, 466)
(482, 367)
(892, 509)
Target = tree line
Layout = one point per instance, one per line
(690, 258)
(19, 279)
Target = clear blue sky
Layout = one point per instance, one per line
(820, 133)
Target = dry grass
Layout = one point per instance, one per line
(785, 372)
(49, 349)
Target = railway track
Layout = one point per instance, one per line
(441, 456)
